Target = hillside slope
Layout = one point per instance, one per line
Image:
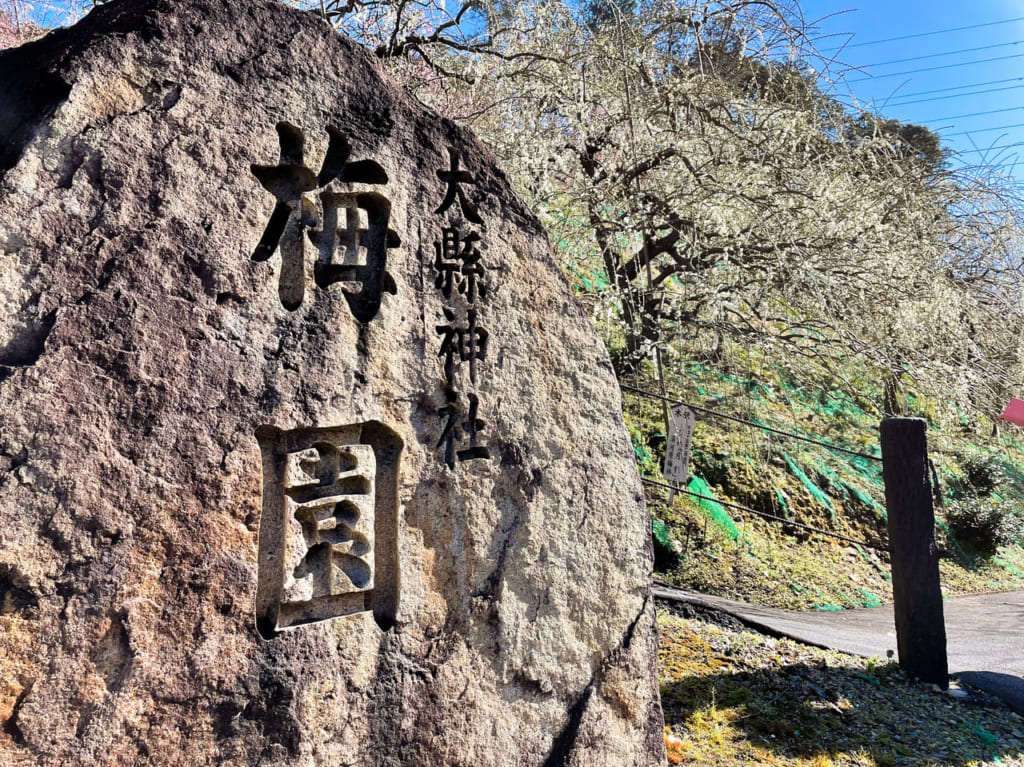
(802, 526)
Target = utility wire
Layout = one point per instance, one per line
(1015, 164)
(975, 166)
(945, 53)
(763, 514)
(960, 87)
(981, 130)
(755, 424)
(890, 104)
(926, 34)
(972, 114)
(935, 69)
(1018, 145)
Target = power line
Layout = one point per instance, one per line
(926, 34)
(972, 114)
(981, 130)
(967, 166)
(1002, 166)
(955, 95)
(1018, 145)
(935, 69)
(946, 53)
(960, 87)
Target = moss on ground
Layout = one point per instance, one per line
(736, 698)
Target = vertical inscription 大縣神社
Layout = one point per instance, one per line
(328, 530)
(461, 278)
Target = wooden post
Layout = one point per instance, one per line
(917, 597)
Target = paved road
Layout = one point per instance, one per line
(984, 634)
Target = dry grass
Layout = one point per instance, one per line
(736, 698)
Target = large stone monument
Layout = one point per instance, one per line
(307, 454)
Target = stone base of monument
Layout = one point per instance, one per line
(307, 454)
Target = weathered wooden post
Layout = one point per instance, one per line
(917, 596)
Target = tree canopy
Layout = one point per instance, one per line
(703, 187)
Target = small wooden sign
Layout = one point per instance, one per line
(677, 455)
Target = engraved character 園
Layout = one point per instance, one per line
(328, 538)
(329, 500)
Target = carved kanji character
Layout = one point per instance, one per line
(353, 245)
(453, 177)
(459, 268)
(471, 428)
(329, 491)
(468, 344)
(295, 216)
(448, 435)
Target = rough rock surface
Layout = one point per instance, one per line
(268, 500)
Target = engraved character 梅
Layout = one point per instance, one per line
(351, 236)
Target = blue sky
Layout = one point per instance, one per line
(941, 97)
(947, 97)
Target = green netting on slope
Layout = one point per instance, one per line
(812, 488)
(862, 497)
(643, 456)
(746, 384)
(1008, 566)
(665, 555)
(1014, 472)
(715, 511)
(581, 282)
(867, 501)
(847, 598)
(598, 280)
(783, 499)
(661, 533)
(870, 600)
(836, 403)
(831, 480)
(867, 599)
(868, 469)
(824, 602)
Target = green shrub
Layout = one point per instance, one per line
(982, 475)
(984, 524)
